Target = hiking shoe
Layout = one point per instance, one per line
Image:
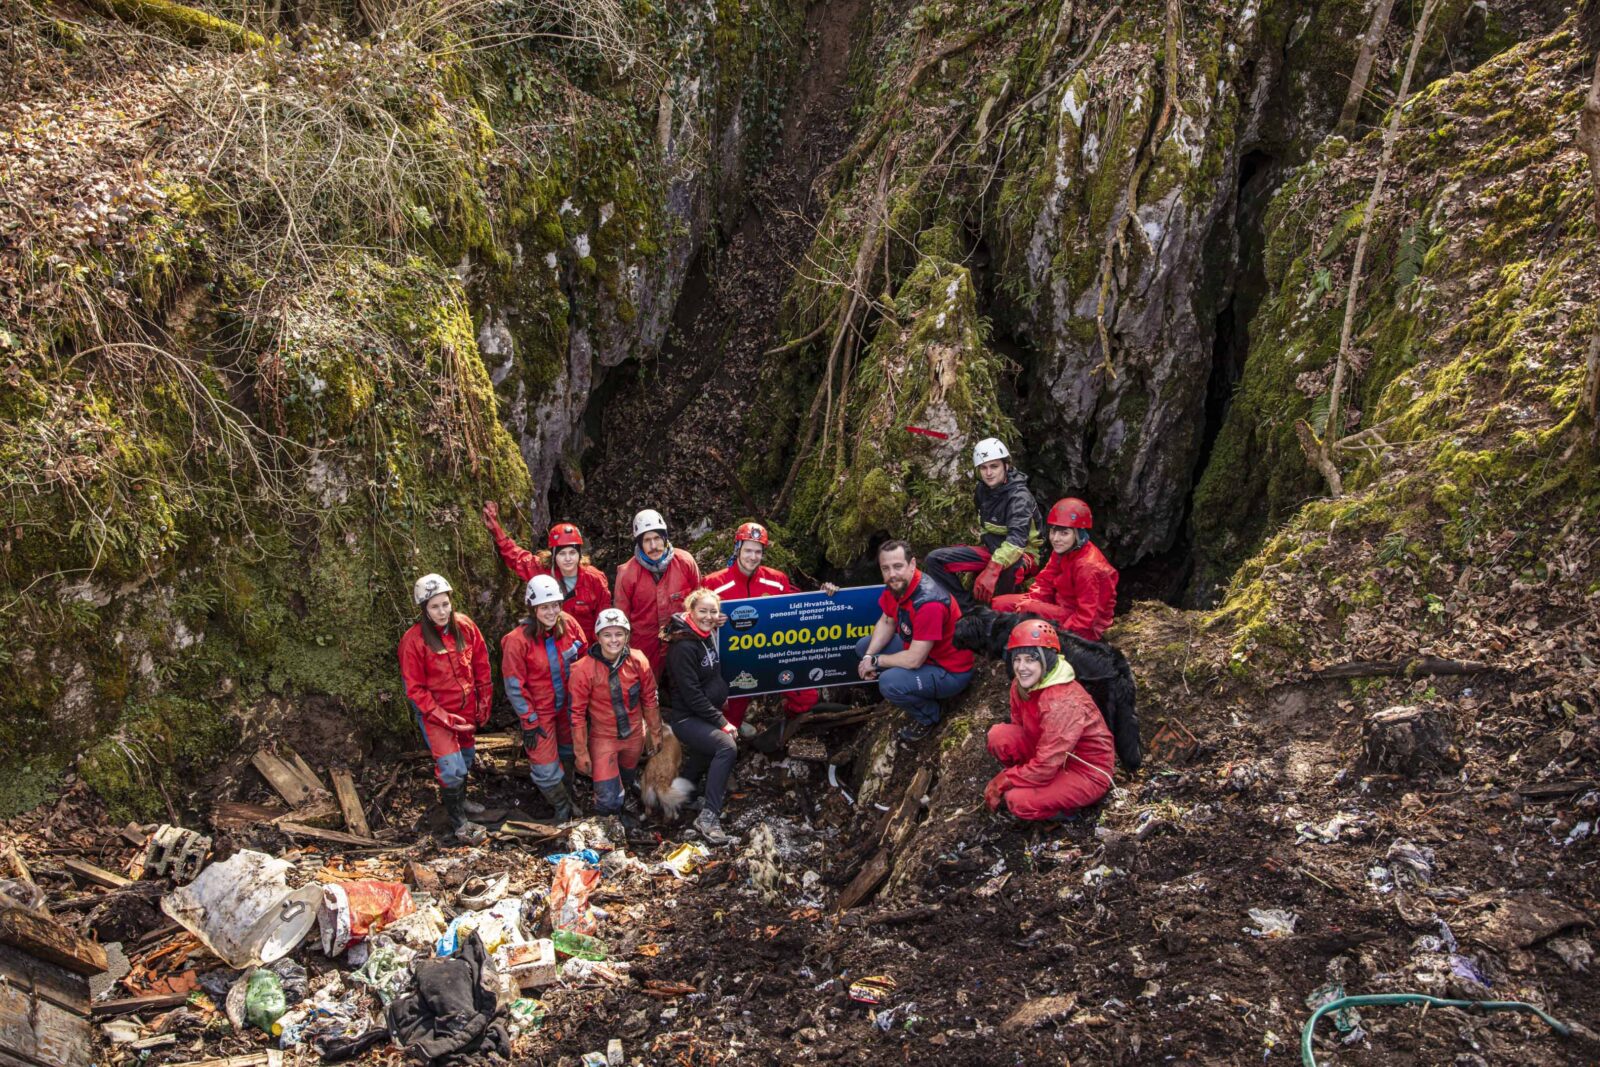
(914, 731)
(746, 730)
(472, 807)
(709, 826)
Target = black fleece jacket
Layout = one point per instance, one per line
(692, 685)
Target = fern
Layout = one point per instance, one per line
(1319, 413)
(1408, 258)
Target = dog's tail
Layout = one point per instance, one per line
(659, 785)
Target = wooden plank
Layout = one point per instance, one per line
(233, 815)
(50, 941)
(865, 881)
(337, 837)
(38, 1031)
(128, 1005)
(282, 778)
(88, 872)
(485, 744)
(344, 789)
(307, 775)
(55, 984)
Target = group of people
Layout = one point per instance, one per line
(597, 671)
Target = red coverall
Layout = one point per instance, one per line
(453, 682)
(649, 602)
(602, 711)
(731, 583)
(1054, 718)
(1076, 591)
(588, 597)
(537, 676)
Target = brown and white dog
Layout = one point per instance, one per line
(659, 784)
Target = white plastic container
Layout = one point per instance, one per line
(243, 910)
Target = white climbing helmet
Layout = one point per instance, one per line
(646, 521)
(428, 587)
(611, 617)
(543, 589)
(988, 450)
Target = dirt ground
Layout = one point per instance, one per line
(1124, 936)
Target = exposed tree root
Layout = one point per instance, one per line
(190, 25)
(1129, 205)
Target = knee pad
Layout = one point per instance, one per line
(545, 775)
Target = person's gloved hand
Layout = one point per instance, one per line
(491, 515)
(652, 741)
(1029, 605)
(459, 723)
(983, 587)
(995, 791)
(580, 760)
(483, 714)
(729, 728)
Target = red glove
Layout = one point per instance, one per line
(995, 790)
(983, 588)
(484, 713)
(451, 721)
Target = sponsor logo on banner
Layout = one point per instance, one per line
(785, 677)
(745, 680)
(816, 674)
(743, 617)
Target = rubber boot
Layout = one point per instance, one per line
(569, 774)
(454, 799)
(558, 798)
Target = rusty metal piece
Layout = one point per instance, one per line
(1173, 744)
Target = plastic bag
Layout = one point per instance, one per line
(387, 971)
(497, 926)
(353, 910)
(571, 943)
(264, 1002)
(570, 889)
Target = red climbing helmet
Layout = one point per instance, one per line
(1034, 633)
(563, 534)
(751, 531)
(1072, 513)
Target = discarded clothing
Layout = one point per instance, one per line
(454, 1018)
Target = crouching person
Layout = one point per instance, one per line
(615, 715)
(1056, 751)
(695, 697)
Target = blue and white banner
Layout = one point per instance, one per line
(772, 644)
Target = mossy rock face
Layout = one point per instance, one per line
(247, 465)
(926, 391)
(1471, 332)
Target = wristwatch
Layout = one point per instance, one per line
(874, 658)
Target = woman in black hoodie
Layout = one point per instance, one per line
(694, 693)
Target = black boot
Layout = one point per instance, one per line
(454, 799)
(559, 799)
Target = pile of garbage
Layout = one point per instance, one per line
(453, 958)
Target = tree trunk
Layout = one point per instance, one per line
(1589, 134)
(1363, 69)
(1331, 433)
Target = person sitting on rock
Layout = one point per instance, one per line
(1077, 590)
(651, 586)
(444, 665)
(909, 652)
(695, 693)
(616, 719)
(1009, 529)
(1056, 752)
(747, 577)
(536, 663)
(585, 591)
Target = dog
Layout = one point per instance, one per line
(659, 785)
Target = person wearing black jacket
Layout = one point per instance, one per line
(1010, 532)
(694, 694)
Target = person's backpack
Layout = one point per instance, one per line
(1102, 670)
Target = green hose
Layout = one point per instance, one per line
(1308, 1060)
